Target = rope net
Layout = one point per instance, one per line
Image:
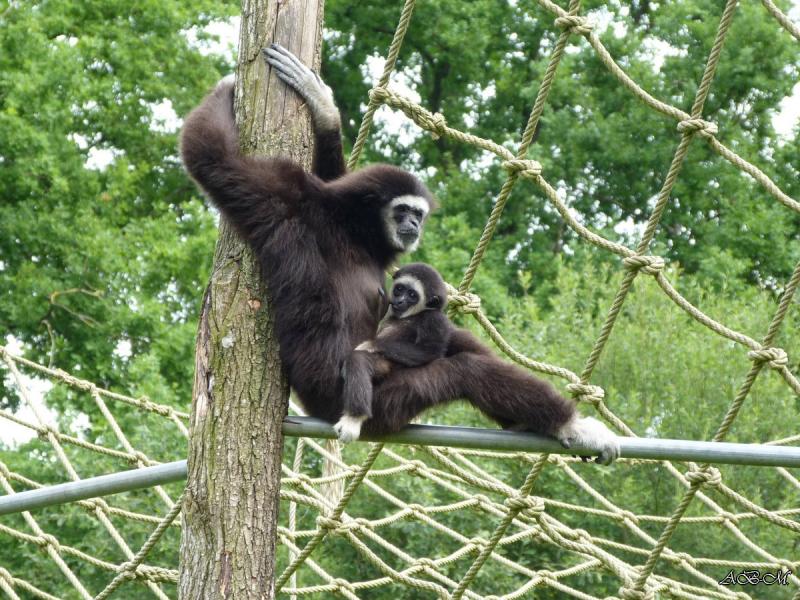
(472, 510)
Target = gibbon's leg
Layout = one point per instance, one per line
(253, 193)
(504, 392)
(328, 160)
(357, 373)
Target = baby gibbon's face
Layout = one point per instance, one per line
(408, 297)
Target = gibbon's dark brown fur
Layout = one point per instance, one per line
(322, 246)
(404, 339)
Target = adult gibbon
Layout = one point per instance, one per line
(324, 239)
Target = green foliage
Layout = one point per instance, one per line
(92, 255)
(480, 64)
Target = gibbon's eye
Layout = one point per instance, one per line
(399, 289)
(413, 296)
(417, 213)
(403, 208)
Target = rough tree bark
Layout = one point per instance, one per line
(240, 393)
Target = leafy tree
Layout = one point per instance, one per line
(481, 64)
(92, 255)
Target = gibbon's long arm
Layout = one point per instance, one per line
(499, 389)
(407, 354)
(432, 336)
(255, 194)
(328, 162)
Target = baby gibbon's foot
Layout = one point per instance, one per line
(348, 428)
(588, 432)
(307, 83)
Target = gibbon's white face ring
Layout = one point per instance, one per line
(390, 225)
(416, 285)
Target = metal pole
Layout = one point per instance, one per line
(427, 435)
(94, 487)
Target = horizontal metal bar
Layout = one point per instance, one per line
(427, 435)
(94, 487)
(498, 439)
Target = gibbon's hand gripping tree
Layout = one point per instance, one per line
(240, 393)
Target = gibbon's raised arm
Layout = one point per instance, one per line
(253, 193)
(328, 161)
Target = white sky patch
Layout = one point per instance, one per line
(99, 158)
(164, 118)
(12, 434)
(394, 122)
(96, 158)
(630, 228)
(124, 349)
(70, 40)
(226, 31)
(657, 51)
(788, 115)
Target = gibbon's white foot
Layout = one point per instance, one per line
(367, 346)
(307, 84)
(588, 432)
(349, 428)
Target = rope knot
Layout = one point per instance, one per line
(477, 543)
(436, 124)
(127, 570)
(686, 558)
(525, 168)
(482, 500)
(378, 94)
(622, 515)
(629, 593)
(46, 539)
(427, 563)
(416, 509)
(575, 24)
(581, 535)
(519, 503)
(96, 504)
(583, 392)
(140, 457)
(324, 522)
(416, 465)
(546, 576)
(467, 303)
(730, 517)
(343, 584)
(650, 265)
(46, 430)
(697, 125)
(149, 405)
(774, 357)
(710, 476)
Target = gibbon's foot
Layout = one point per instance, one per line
(307, 84)
(348, 428)
(368, 346)
(590, 433)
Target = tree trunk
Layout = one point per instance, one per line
(240, 392)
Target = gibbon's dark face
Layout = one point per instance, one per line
(403, 218)
(417, 287)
